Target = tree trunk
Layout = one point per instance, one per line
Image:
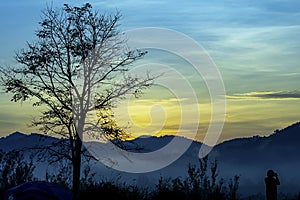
(77, 169)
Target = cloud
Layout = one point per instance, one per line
(127, 3)
(270, 95)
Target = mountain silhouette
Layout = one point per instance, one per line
(250, 158)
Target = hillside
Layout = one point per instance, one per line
(248, 157)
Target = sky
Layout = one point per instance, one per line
(254, 45)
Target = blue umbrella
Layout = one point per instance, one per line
(38, 190)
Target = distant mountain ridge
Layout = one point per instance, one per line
(18, 140)
(248, 157)
(252, 157)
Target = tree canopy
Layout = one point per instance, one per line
(77, 66)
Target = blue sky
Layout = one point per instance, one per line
(254, 43)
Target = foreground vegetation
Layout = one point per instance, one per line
(201, 183)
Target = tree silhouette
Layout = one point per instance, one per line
(77, 66)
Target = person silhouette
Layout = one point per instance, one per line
(271, 181)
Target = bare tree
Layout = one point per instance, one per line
(78, 65)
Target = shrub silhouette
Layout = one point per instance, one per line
(111, 190)
(14, 169)
(201, 183)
